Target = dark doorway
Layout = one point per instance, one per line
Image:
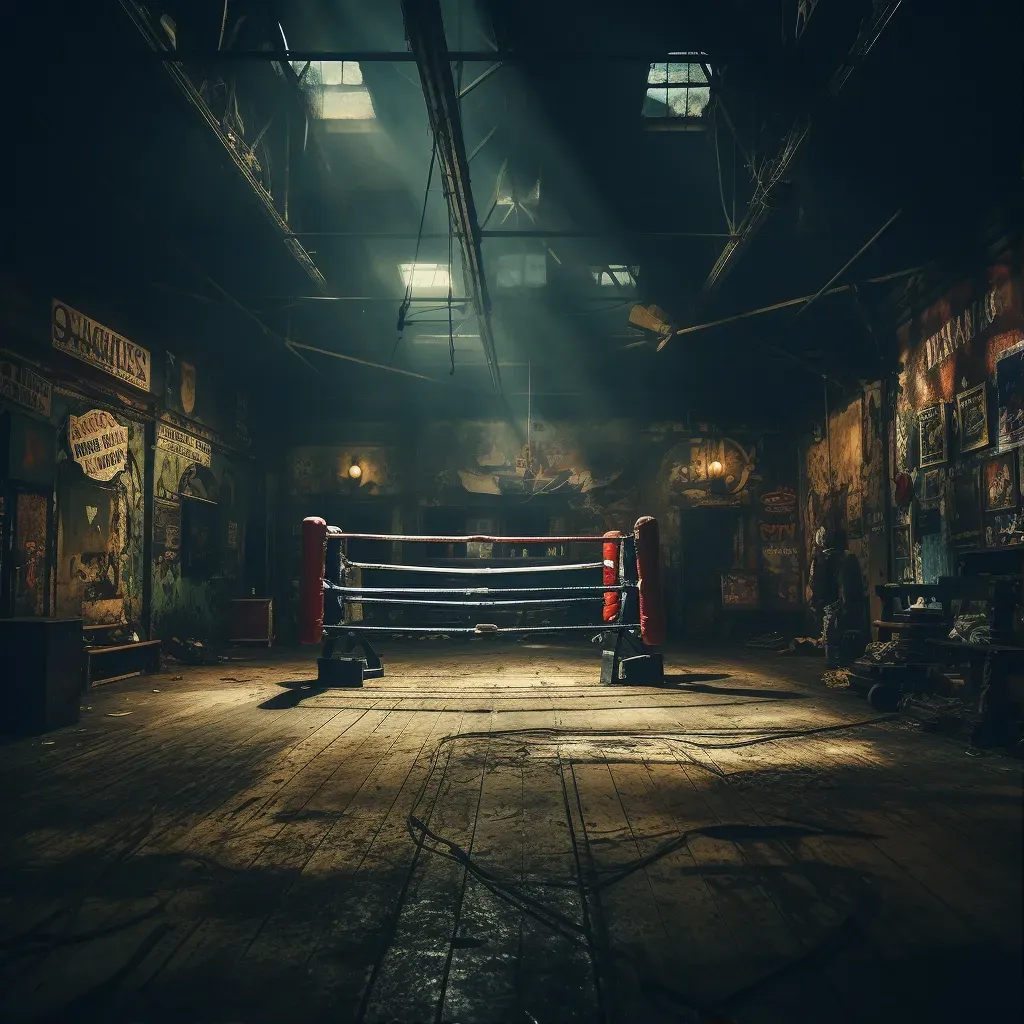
(708, 546)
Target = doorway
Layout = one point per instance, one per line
(708, 545)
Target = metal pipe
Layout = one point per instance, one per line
(466, 90)
(760, 206)
(483, 142)
(424, 27)
(516, 233)
(849, 263)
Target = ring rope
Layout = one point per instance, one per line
(481, 628)
(477, 591)
(507, 603)
(475, 539)
(474, 570)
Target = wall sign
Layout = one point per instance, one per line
(196, 450)
(20, 385)
(75, 334)
(99, 444)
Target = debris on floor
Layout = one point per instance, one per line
(191, 652)
(767, 642)
(804, 645)
(932, 712)
(119, 714)
(836, 679)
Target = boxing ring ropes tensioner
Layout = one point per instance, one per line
(632, 626)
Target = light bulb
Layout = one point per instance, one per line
(355, 471)
(715, 469)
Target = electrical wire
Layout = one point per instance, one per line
(403, 309)
(513, 891)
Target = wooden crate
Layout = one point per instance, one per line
(251, 620)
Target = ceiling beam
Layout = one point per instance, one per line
(515, 233)
(424, 28)
(761, 204)
(452, 56)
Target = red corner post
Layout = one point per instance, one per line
(311, 580)
(648, 565)
(610, 612)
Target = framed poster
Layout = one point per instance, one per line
(964, 502)
(972, 418)
(1004, 530)
(999, 490)
(1010, 397)
(740, 590)
(934, 435)
(931, 488)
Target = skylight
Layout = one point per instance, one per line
(677, 88)
(339, 87)
(425, 276)
(615, 275)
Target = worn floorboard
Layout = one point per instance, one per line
(739, 841)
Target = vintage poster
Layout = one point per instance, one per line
(740, 590)
(20, 385)
(99, 444)
(931, 488)
(999, 490)
(1004, 530)
(964, 502)
(76, 335)
(186, 446)
(972, 418)
(932, 427)
(1010, 397)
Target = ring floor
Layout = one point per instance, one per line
(487, 834)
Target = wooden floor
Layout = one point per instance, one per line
(487, 834)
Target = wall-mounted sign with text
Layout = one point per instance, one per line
(20, 385)
(74, 333)
(99, 444)
(196, 450)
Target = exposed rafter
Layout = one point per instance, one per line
(762, 201)
(424, 28)
(266, 203)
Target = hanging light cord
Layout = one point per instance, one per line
(403, 310)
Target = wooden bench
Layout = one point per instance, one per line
(114, 660)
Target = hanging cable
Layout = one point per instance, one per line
(403, 309)
(451, 334)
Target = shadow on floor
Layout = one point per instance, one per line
(692, 682)
(294, 692)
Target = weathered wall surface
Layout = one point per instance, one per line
(591, 477)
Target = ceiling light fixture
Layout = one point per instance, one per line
(355, 471)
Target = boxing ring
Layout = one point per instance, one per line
(630, 624)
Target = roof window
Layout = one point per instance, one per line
(677, 88)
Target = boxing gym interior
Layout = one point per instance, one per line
(512, 512)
